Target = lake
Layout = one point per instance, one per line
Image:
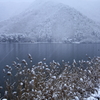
(50, 51)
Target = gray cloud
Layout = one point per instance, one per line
(90, 8)
(9, 8)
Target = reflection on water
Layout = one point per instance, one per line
(50, 51)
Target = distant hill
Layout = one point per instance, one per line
(49, 21)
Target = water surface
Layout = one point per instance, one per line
(50, 51)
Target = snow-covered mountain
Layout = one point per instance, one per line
(48, 21)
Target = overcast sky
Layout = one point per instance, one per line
(90, 8)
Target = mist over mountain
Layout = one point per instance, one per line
(48, 21)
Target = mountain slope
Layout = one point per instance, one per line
(50, 22)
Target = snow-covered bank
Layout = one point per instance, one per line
(95, 96)
(22, 38)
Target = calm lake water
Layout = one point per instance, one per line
(50, 51)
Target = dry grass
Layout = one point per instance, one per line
(51, 82)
